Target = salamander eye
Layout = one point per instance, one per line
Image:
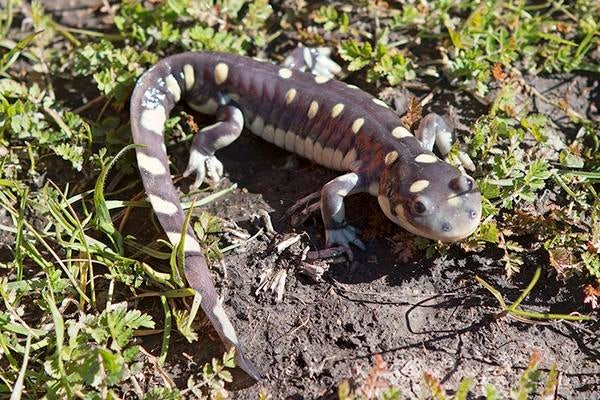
(419, 207)
(469, 185)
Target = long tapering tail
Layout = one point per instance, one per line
(155, 95)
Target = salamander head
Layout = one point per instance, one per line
(430, 198)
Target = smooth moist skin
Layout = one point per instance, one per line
(329, 122)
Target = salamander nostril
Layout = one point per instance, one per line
(446, 227)
(473, 214)
(461, 184)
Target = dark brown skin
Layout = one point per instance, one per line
(327, 121)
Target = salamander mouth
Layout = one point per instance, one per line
(454, 238)
(439, 234)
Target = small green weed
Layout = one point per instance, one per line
(382, 61)
(332, 19)
(514, 310)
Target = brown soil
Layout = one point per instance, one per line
(427, 315)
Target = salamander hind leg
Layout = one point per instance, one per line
(203, 162)
(337, 230)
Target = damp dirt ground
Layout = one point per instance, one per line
(421, 315)
(424, 315)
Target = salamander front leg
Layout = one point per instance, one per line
(337, 230)
(317, 61)
(433, 129)
(202, 161)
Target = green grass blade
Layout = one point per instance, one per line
(59, 332)
(463, 389)
(18, 388)
(174, 293)
(103, 220)
(164, 349)
(525, 293)
(194, 309)
(493, 291)
(9, 58)
(19, 257)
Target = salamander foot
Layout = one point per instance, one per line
(203, 166)
(344, 237)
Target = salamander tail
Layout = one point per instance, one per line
(155, 95)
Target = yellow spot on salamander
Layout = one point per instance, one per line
(419, 186)
(190, 244)
(258, 125)
(279, 137)
(379, 103)
(188, 76)
(337, 110)
(162, 206)
(173, 87)
(290, 140)
(290, 95)
(357, 124)
(317, 153)
(226, 326)
(348, 159)
(154, 119)
(391, 157)
(336, 162)
(152, 165)
(285, 73)
(221, 72)
(308, 148)
(426, 158)
(299, 145)
(321, 78)
(327, 157)
(400, 132)
(313, 109)
(269, 133)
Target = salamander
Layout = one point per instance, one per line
(332, 123)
